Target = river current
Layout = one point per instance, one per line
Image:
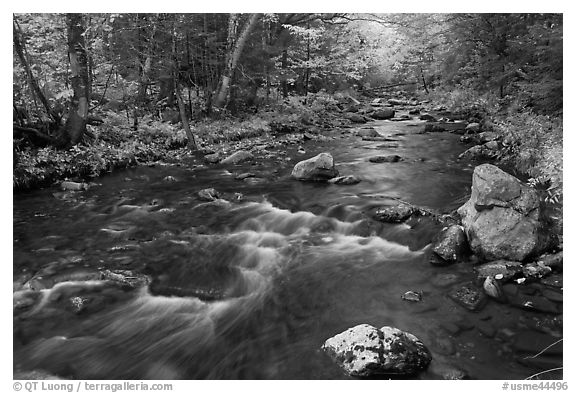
(251, 285)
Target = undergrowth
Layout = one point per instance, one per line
(116, 145)
(531, 142)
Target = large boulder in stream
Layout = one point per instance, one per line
(317, 168)
(502, 217)
(364, 350)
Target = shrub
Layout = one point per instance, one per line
(533, 144)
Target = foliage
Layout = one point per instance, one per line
(217, 131)
(533, 144)
(115, 146)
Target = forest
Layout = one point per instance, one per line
(215, 195)
(109, 83)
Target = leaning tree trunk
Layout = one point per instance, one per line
(75, 126)
(19, 46)
(235, 47)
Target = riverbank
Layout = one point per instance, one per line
(115, 145)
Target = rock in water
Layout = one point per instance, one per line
(238, 157)
(536, 271)
(502, 217)
(473, 128)
(394, 214)
(356, 118)
(493, 288)
(73, 186)
(317, 168)
(394, 102)
(365, 350)
(412, 296)
(427, 117)
(383, 114)
(507, 269)
(345, 180)
(368, 132)
(212, 158)
(208, 194)
(381, 159)
(450, 246)
(468, 296)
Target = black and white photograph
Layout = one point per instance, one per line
(287, 196)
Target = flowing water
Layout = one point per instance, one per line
(251, 287)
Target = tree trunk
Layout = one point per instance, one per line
(424, 80)
(235, 47)
(184, 117)
(146, 65)
(75, 126)
(179, 100)
(307, 75)
(283, 82)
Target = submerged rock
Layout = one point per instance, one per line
(434, 128)
(468, 296)
(345, 180)
(443, 280)
(381, 159)
(365, 350)
(244, 176)
(553, 281)
(502, 217)
(317, 168)
(451, 245)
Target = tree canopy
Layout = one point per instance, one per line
(142, 63)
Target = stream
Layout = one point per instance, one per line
(251, 287)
